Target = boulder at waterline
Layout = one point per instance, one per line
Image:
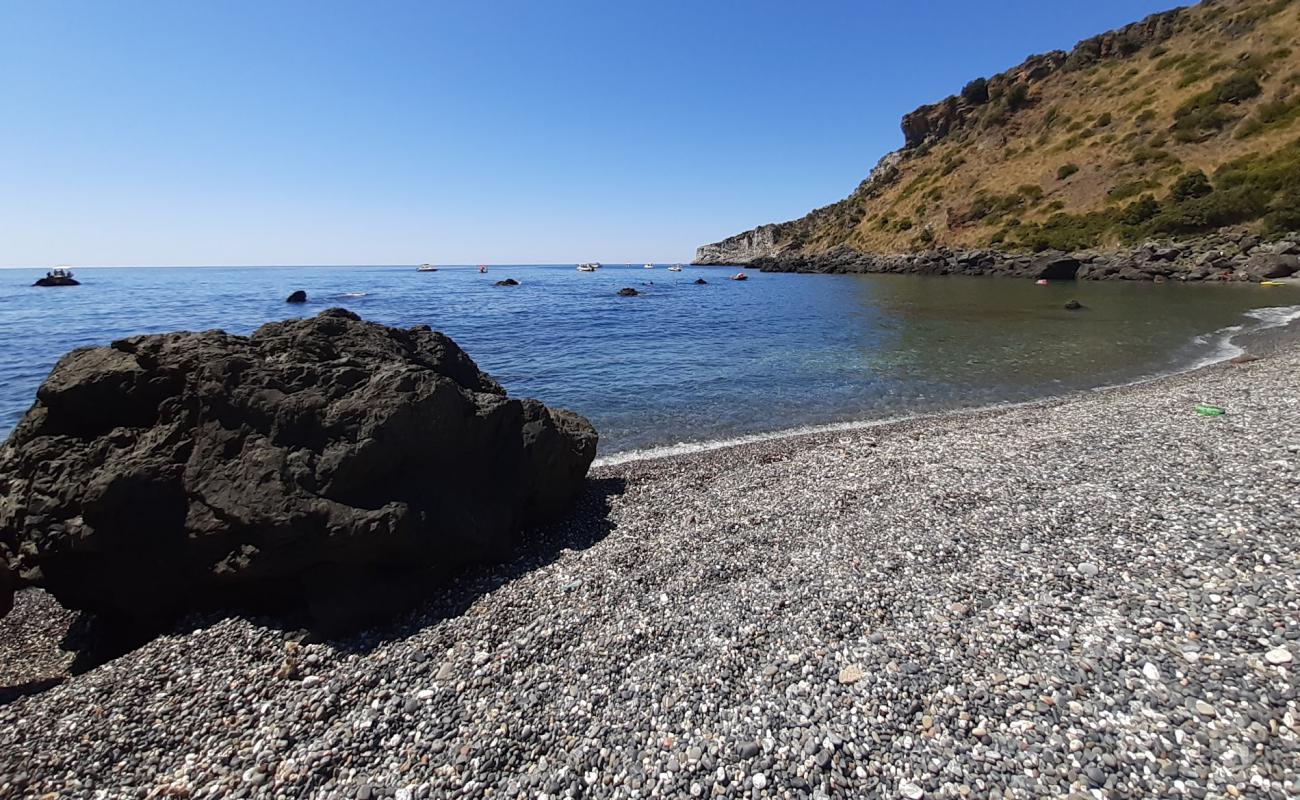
(317, 465)
(628, 291)
(1267, 266)
(1073, 305)
(297, 297)
(700, 282)
(507, 282)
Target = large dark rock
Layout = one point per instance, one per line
(1056, 267)
(298, 296)
(320, 464)
(6, 587)
(1266, 266)
(628, 291)
(507, 282)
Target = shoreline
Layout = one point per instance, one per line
(1221, 257)
(1094, 592)
(1270, 335)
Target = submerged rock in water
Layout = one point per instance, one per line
(297, 297)
(327, 464)
(507, 282)
(700, 282)
(1073, 305)
(628, 291)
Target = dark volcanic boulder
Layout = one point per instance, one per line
(628, 291)
(1056, 267)
(318, 464)
(1266, 266)
(6, 587)
(297, 297)
(507, 282)
(700, 282)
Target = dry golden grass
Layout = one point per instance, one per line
(1113, 121)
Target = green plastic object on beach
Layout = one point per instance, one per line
(1208, 410)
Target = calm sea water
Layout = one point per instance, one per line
(682, 363)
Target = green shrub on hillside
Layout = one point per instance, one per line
(1284, 213)
(1123, 191)
(1018, 97)
(1190, 185)
(1140, 210)
(976, 92)
(1211, 211)
(1203, 113)
(1262, 189)
(1066, 170)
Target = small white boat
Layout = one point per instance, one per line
(740, 276)
(590, 266)
(675, 268)
(649, 266)
(426, 268)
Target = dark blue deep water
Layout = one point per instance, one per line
(682, 363)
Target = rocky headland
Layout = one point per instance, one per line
(1177, 132)
(1218, 257)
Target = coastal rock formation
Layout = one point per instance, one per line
(1179, 125)
(628, 291)
(507, 282)
(327, 464)
(6, 588)
(297, 297)
(1224, 256)
(935, 121)
(741, 248)
(1267, 266)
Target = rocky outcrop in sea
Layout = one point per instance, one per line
(327, 466)
(1217, 257)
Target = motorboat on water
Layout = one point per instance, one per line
(675, 268)
(59, 276)
(426, 268)
(740, 276)
(482, 269)
(649, 266)
(590, 266)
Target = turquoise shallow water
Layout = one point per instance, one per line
(682, 363)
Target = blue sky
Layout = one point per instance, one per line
(389, 132)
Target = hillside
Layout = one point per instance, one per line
(1184, 123)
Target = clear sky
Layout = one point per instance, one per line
(392, 132)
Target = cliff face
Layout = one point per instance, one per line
(742, 248)
(935, 121)
(1181, 124)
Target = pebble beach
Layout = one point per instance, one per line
(1091, 596)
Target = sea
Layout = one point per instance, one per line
(683, 363)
